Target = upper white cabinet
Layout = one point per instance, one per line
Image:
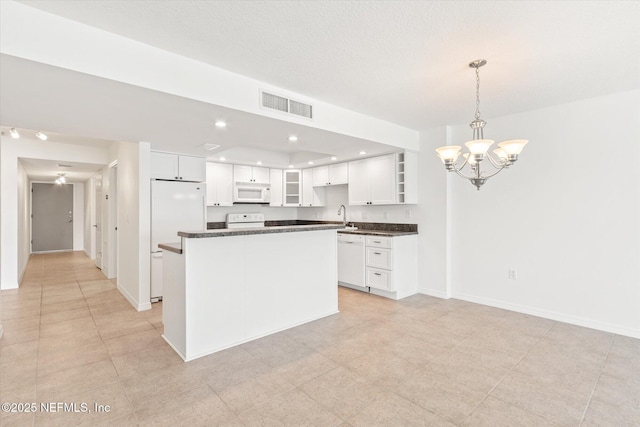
(292, 187)
(242, 173)
(331, 175)
(176, 167)
(311, 196)
(219, 184)
(277, 187)
(384, 180)
(373, 181)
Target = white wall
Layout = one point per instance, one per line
(89, 217)
(24, 220)
(78, 216)
(11, 150)
(134, 223)
(566, 216)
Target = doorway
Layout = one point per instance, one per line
(51, 217)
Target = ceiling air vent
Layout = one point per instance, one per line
(275, 102)
(300, 109)
(286, 105)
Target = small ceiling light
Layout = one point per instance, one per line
(14, 133)
(221, 124)
(293, 138)
(290, 166)
(334, 158)
(41, 136)
(223, 159)
(259, 162)
(362, 153)
(309, 163)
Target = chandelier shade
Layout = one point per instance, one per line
(478, 148)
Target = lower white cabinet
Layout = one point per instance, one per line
(391, 267)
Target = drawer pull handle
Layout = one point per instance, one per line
(378, 274)
(377, 241)
(377, 253)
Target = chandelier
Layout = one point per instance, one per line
(505, 155)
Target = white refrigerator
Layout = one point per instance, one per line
(175, 206)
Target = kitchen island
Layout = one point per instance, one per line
(225, 287)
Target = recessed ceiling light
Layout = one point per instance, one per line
(221, 124)
(291, 166)
(310, 163)
(14, 133)
(334, 158)
(223, 159)
(41, 136)
(362, 153)
(293, 138)
(259, 162)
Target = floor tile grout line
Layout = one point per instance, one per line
(595, 385)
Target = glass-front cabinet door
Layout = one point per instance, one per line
(292, 187)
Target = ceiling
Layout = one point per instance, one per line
(43, 170)
(401, 61)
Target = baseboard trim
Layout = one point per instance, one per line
(552, 315)
(434, 293)
(4, 286)
(134, 302)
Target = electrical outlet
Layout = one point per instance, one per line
(513, 274)
(317, 215)
(407, 213)
(386, 215)
(365, 215)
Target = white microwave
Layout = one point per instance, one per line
(251, 192)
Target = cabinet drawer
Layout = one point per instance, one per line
(379, 241)
(350, 238)
(379, 279)
(379, 258)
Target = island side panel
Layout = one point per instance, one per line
(239, 288)
(215, 294)
(292, 279)
(173, 304)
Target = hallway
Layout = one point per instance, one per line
(66, 330)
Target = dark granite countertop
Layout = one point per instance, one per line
(171, 247)
(222, 232)
(366, 228)
(378, 232)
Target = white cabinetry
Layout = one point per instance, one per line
(277, 188)
(311, 196)
(331, 175)
(242, 173)
(392, 265)
(384, 180)
(373, 181)
(219, 184)
(175, 167)
(292, 187)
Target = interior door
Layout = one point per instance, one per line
(52, 217)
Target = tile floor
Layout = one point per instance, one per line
(70, 336)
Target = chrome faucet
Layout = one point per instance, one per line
(344, 218)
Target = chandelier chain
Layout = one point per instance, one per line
(477, 115)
